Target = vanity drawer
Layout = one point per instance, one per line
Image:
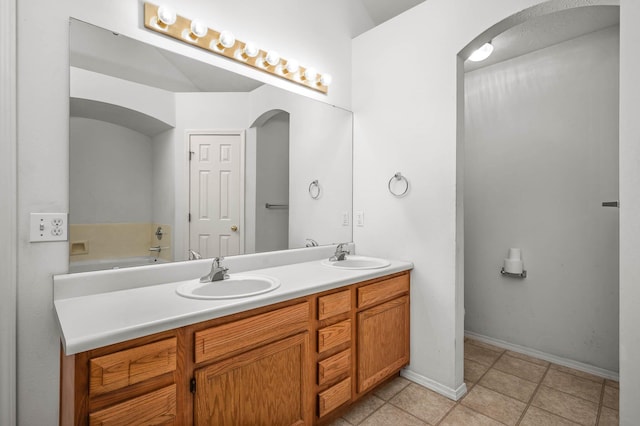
(334, 335)
(334, 304)
(154, 408)
(334, 367)
(334, 397)
(383, 290)
(235, 336)
(125, 368)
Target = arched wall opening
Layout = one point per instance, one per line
(542, 343)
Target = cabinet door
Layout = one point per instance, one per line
(266, 386)
(383, 341)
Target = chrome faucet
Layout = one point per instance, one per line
(310, 242)
(194, 255)
(341, 253)
(218, 273)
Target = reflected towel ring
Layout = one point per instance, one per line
(314, 189)
(398, 176)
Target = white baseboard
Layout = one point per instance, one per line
(566, 362)
(454, 394)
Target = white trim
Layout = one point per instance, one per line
(566, 362)
(454, 394)
(8, 213)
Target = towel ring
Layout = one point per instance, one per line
(314, 189)
(398, 176)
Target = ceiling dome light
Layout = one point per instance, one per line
(226, 40)
(483, 53)
(250, 50)
(199, 28)
(272, 58)
(310, 74)
(326, 79)
(166, 15)
(292, 66)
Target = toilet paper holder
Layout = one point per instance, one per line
(513, 265)
(521, 275)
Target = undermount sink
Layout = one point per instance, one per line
(236, 286)
(357, 262)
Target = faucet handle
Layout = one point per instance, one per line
(217, 260)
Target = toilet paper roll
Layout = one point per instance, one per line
(513, 266)
(515, 254)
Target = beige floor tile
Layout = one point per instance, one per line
(339, 422)
(495, 405)
(473, 371)
(611, 397)
(509, 385)
(521, 368)
(528, 358)
(573, 385)
(391, 388)
(609, 417)
(362, 409)
(484, 345)
(390, 415)
(537, 417)
(422, 403)
(463, 416)
(480, 355)
(577, 373)
(612, 383)
(565, 405)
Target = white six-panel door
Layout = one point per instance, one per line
(216, 193)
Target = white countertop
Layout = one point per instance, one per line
(89, 321)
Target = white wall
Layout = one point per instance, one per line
(110, 175)
(541, 154)
(405, 102)
(317, 35)
(272, 184)
(8, 220)
(163, 177)
(629, 213)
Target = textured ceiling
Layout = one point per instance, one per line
(544, 31)
(383, 10)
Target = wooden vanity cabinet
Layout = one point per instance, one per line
(383, 330)
(298, 362)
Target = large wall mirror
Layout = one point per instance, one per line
(172, 158)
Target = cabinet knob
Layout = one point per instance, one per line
(234, 228)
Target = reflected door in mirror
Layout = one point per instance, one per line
(216, 193)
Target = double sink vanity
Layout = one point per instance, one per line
(289, 338)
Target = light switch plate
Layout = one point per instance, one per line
(359, 218)
(48, 227)
(345, 219)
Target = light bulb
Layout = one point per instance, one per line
(483, 53)
(292, 66)
(272, 58)
(166, 15)
(310, 74)
(326, 79)
(199, 28)
(250, 50)
(226, 39)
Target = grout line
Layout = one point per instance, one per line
(473, 386)
(533, 395)
(601, 402)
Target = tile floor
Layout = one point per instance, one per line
(503, 388)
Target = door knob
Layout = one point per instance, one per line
(234, 228)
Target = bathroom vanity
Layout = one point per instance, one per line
(299, 355)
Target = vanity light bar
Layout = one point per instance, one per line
(194, 32)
